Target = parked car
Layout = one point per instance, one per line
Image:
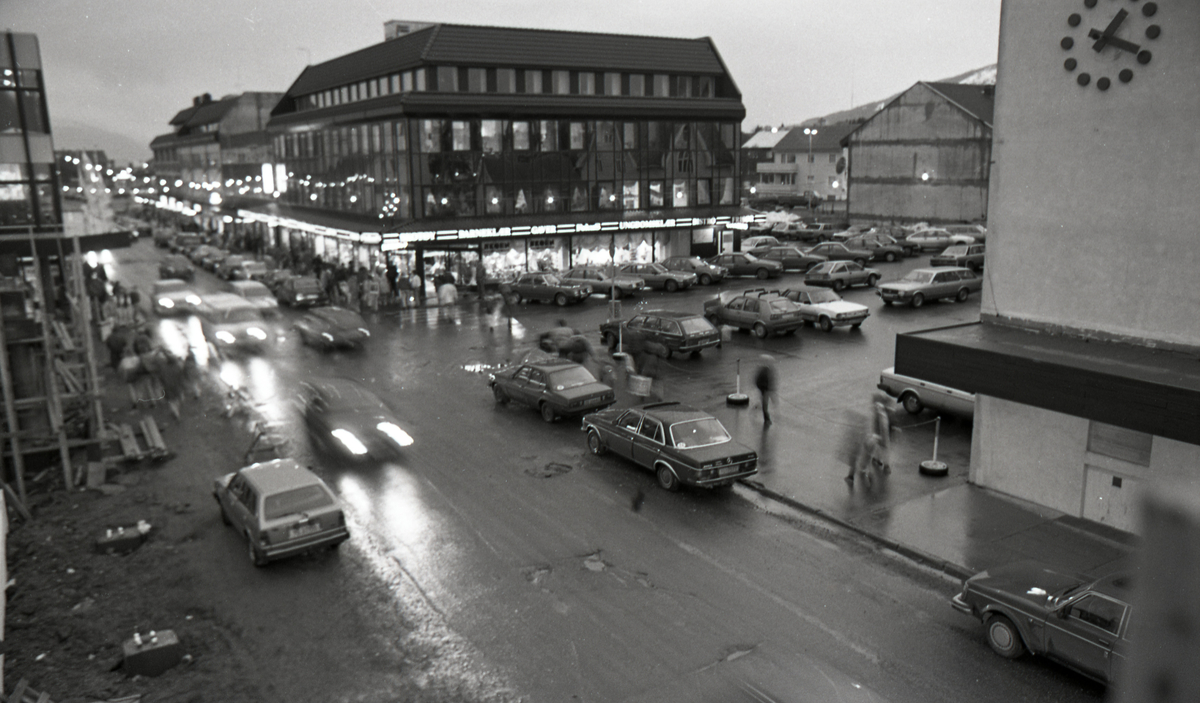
(925, 284)
(246, 270)
(743, 264)
(176, 266)
(791, 258)
(258, 295)
(759, 243)
(840, 274)
(675, 332)
(301, 292)
(881, 246)
(1077, 621)
(934, 239)
(838, 251)
(965, 255)
(544, 287)
(659, 277)
(212, 258)
(332, 327)
(826, 309)
(760, 311)
(231, 323)
(172, 296)
(281, 508)
(347, 419)
(555, 387)
(681, 445)
(706, 273)
(225, 268)
(184, 242)
(604, 281)
(916, 395)
(977, 232)
(197, 253)
(805, 232)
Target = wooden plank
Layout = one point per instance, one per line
(64, 372)
(44, 698)
(19, 692)
(129, 445)
(153, 437)
(64, 336)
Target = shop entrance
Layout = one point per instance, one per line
(460, 265)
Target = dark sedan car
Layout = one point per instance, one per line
(659, 277)
(1026, 607)
(706, 273)
(345, 418)
(673, 332)
(740, 263)
(792, 258)
(544, 287)
(681, 445)
(837, 251)
(176, 266)
(332, 328)
(840, 274)
(556, 387)
(964, 255)
(300, 292)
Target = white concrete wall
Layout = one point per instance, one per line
(1094, 217)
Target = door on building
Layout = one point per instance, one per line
(1111, 498)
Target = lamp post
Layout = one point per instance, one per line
(811, 133)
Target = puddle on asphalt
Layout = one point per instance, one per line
(550, 470)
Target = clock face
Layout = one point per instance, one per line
(1108, 41)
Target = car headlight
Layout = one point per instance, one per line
(328, 337)
(166, 303)
(349, 441)
(256, 333)
(225, 337)
(398, 435)
(366, 332)
(193, 299)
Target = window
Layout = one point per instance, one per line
(656, 194)
(431, 136)
(637, 85)
(419, 76)
(533, 82)
(652, 429)
(587, 83)
(681, 86)
(704, 87)
(447, 79)
(578, 135)
(833, 158)
(506, 80)
(477, 80)
(560, 82)
(406, 82)
(812, 158)
(549, 135)
(662, 86)
(460, 135)
(520, 136)
(630, 421)
(491, 136)
(394, 83)
(1120, 443)
(373, 89)
(1099, 612)
(679, 193)
(612, 83)
(629, 135)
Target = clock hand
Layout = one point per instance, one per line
(1110, 30)
(1116, 42)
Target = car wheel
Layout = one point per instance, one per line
(671, 286)
(760, 330)
(617, 294)
(500, 396)
(1003, 638)
(889, 256)
(962, 296)
(560, 299)
(912, 403)
(547, 412)
(256, 556)
(918, 300)
(762, 274)
(666, 478)
(856, 325)
(705, 279)
(872, 280)
(826, 324)
(838, 285)
(595, 444)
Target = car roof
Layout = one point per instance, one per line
(938, 269)
(170, 284)
(672, 314)
(550, 364)
(347, 392)
(672, 412)
(278, 475)
(253, 286)
(226, 301)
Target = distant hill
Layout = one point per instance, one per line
(120, 148)
(979, 76)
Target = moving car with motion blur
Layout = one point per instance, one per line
(246, 270)
(555, 387)
(232, 324)
(1079, 622)
(681, 445)
(826, 309)
(281, 508)
(604, 281)
(258, 294)
(300, 292)
(706, 273)
(176, 266)
(332, 327)
(760, 311)
(840, 274)
(544, 287)
(935, 283)
(659, 277)
(171, 296)
(740, 263)
(674, 332)
(346, 419)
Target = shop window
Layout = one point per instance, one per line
(661, 86)
(587, 83)
(612, 84)
(629, 136)
(551, 199)
(726, 191)
(728, 133)
(631, 195)
(704, 87)
(401, 136)
(606, 198)
(656, 194)
(703, 196)
(605, 135)
(533, 82)
(679, 194)
(431, 136)
(376, 139)
(1120, 443)
(493, 200)
(477, 80)
(549, 135)
(460, 135)
(637, 85)
(506, 80)
(491, 136)
(521, 200)
(578, 135)
(447, 79)
(560, 82)
(520, 136)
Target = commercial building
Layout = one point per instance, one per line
(1085, 360)
(923, 157)
(807, 163)
(491, 150)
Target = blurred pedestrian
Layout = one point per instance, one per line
(764, 380)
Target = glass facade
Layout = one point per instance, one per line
(28, 179)
(476, 167)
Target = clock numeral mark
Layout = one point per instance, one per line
(1125, 75)
(1067, 43)
(1144, 57)
(1083, 79)
(1149, 9)
(1153, 31)
(1074, 19)
(1103, 83)
(1089, 4)
(1070, 64)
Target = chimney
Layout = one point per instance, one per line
(398, 28)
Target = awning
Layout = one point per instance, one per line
(1140, 388)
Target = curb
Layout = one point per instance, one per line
(956, 571)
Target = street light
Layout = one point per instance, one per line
(811, 133)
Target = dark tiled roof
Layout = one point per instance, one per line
(828, 138)
(979, 100)
(467, 45)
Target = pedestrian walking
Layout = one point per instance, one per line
(764, 380)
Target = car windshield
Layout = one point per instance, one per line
(696, 325)
(698, 433)
(782, 305)
(657, 268)
(552, 280)
(954, 251)
(297, 500)
(823, 296)
(918, 277)
(343, 395)
(254, 266)
(243, 315)
(573, 377)
(164, 287)
(306, 285)
(822, 268)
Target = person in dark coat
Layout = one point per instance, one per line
(764, 379)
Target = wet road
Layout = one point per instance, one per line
(531, 549)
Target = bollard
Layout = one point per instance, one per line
(738, 397)
(933, 467)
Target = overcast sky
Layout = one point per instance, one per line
(128, 66)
